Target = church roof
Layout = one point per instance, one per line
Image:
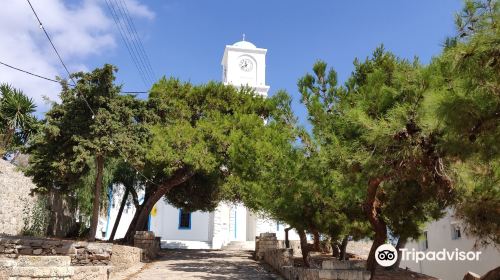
(244, 44)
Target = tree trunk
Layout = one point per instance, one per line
(372, 209)
(304, 247)
(287, 241)
(400, 245)
(97, 197)
(343, 248)
(316, 241)
(493, 274)
(8, 137)
(119, 216)
(141, 216)
(335, 247)
(135, 198)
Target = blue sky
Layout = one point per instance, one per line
(186, 38)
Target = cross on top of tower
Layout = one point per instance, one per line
(243, 36)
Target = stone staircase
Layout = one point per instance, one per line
(183, 244)
(35, 267)
(240, 246)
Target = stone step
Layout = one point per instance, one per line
(42, 272)
(183, 244)
(336, 264)
(344, 274)
(239, 246)
(43, 261)
(241, 242)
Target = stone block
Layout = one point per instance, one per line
(335, 264)
(65, 250)
(7, 262)
(43, 261)
(144, 235)
(103, 256)
(267, 235)
(347, 274)
(125, 256)
(81, 244)
(25, 251)
(42, 272)
(91, 272)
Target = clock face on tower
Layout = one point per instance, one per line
(246, 64)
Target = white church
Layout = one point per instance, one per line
(243, 64)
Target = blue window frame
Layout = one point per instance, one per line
(184, 219)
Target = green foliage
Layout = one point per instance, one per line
(16, 118)
(373, 128)
(201, 193)
(466, 105)
(83, 189)
(194, 127)
(36, 218)
(81, 135)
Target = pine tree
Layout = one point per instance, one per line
(91, 125)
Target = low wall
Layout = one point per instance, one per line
(267, 249)
(81, 253)
(33, 258)
(125, 256)
(148, 242)
(282, 261)
(279, 258)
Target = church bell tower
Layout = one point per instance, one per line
(243, 64)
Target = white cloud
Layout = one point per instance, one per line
(78, 30)
(137, 9)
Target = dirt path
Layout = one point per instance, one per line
(204, 264)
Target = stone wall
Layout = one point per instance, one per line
(147, 241)
(125, 256)
(282, 261)
(279, 258)
(267, 249)
(17, 204)
(63, 259)
(14, 198)
(81, 253)
(49, 267)
(37, 267)
(265, 242)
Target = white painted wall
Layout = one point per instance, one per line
(166, 224)
(237, 223)
(439, 234)
(106, 222)
(220, 227)
(264, 225)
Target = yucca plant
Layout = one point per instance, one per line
(16, 117)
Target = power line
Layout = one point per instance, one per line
(135, 33)
(50, 40)
(29, 73)
(57, 53)
(132, 38)
(56, 81)
(128, 45)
